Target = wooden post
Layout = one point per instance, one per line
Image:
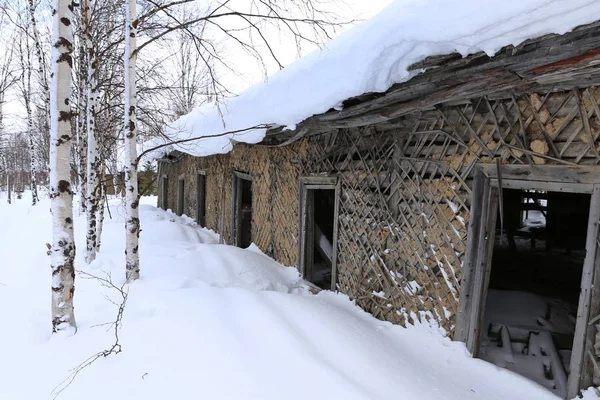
(468, 268)
(585, 297)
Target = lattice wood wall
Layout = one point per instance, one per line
(405, 194)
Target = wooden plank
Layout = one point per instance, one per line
(547, 186)
(336, 213)
(588, 174)
(242, 175)
(470, 260)
(478, 276)
(319, 180)
(485, 265)
(583, 310)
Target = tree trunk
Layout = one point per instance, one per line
(82, 130)
(61, 194)
(101, 204)
(32, 152)
(132, 224)
(93, 157)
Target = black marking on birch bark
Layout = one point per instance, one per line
(135, 23)
(132, 35)
(63, 42)
(135, 204)
(67, 101)
(68, 220)
(57, 270)
(131, 129)
(53, 12)
(64, 57)
(135, 250)
(58, 289)
(131, 110)
(64, 116)
(64, 186)
(65, 21)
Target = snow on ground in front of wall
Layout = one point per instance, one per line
(371, 58)
(213, 322)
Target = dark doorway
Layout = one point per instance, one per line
(201, 200)
(242, 221)
(165, 193)
(319, 234)
(180, 196)
(534, 285)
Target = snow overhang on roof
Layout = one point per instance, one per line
(391, 65)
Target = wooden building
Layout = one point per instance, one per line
(394, 199)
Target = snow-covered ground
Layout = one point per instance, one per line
(208, 321)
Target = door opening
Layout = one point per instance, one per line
(242, 213)
(527, 295)
(318, 234)
(165, 193)
(180, 196)
(534, 285)
(201, 200)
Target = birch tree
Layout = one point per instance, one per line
(93, 156)
(132, 224)
(60, 191)
(26, 66)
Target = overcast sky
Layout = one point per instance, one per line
(249, 72)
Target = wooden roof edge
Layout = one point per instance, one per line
(551, 62)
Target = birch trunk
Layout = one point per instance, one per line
(93, 157)
(32, 153)
(101, 204)
(82, 130)
(132, 224)
(61, 194)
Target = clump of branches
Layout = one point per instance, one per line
(115, 326)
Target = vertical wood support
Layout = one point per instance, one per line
(470, 262)
(579, 376)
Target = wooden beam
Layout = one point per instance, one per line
(463, 320)
(580, 174)
(583, 309)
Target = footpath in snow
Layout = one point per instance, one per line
(208, 321)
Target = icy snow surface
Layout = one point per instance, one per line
(208, 321)
(372, 57)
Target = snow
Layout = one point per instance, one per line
(212, 321)
(371, 58)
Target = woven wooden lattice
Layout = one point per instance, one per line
(405, 196)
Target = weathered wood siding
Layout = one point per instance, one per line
(405, 191)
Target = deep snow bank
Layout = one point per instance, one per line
(213, 322)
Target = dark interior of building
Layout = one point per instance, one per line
(322, 248)
(534, 285)
(245, 214)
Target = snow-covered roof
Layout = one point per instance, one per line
(371, 58)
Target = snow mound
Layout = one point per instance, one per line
(216, 322)
(371, 58)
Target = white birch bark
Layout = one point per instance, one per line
(61, 194)
(132, 224)
(93, 156)
(82, 129)
(101, 204)
(31, 134)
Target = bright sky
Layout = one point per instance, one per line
(249, 71)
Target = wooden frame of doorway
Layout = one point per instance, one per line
(236, 205)
(315, 183)
(478, 256)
